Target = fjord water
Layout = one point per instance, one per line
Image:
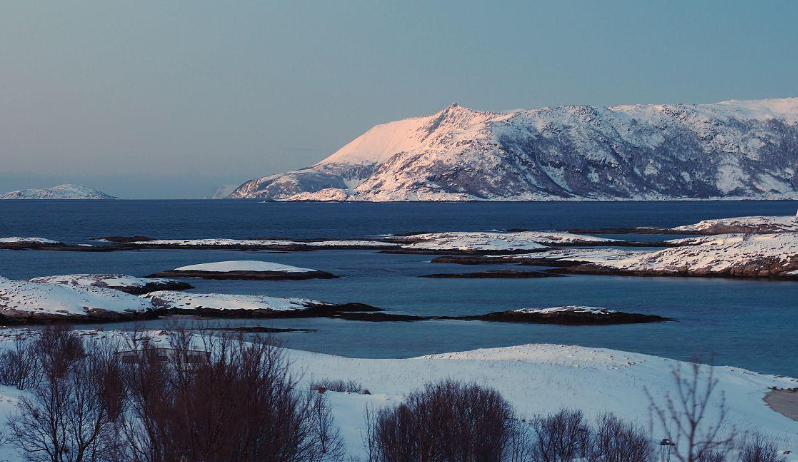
(746, 323)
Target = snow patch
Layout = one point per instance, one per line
(244, 265)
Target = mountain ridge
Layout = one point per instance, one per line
(62, 191)
(734, 149)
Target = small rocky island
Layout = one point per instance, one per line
(63, 191)
(245, 270)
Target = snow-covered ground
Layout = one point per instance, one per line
(752, 224)
(190, 301)
(80, 295)
(536, 379)
(23, 297)
(243, 265)
(540, 379)
(494, 241)
(114, 281)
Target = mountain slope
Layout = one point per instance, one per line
(64, 191)
(735, 149)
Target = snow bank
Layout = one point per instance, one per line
(30, 298)
(243, 265)
(539, 379)
(191, 301)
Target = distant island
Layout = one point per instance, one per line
(64, 191)
(728, 150)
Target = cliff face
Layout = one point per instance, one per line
(736, 149)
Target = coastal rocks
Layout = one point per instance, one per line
(28, 243)
(744, 225)
(245, 270)
(571, 316)
(31, 302)
(123, 282)
(490, 242)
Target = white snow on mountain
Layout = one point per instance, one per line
(64, 191)
(734, 149)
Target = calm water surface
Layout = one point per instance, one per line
(751, 324)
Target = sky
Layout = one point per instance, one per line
(154, 99)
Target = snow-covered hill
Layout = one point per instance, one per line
(734, 149)
(64, 191)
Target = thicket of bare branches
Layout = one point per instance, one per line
(18, 365)
(65, 415)
(444, 422)
(684, 416)
(223, 400)
(235, 403)
(757, 448)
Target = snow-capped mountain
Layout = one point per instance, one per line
(64, 191)
(733, 149)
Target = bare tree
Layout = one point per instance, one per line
(214, 396)
(445, 422)
(685, 416)
(560, 437)
(614, 440)
(65, 417)
(18, 365)
(759, 449)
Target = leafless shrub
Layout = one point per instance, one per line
(238, 403)
(560, 437)
(65, 416)
(684, 416)
(445, 422)
(341, 386)
(759, 449)
(18, 365)
(329, 444)
(613, 440)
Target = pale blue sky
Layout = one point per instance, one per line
(168, 99)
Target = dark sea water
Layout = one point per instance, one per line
(751, 324)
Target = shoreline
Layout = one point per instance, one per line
(784, 401)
